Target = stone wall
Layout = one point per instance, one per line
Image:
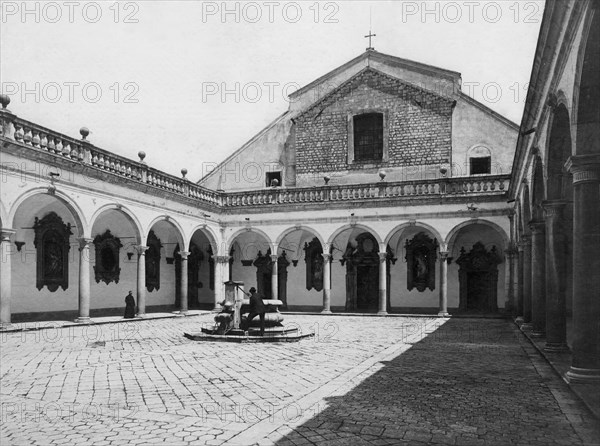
(419, 126)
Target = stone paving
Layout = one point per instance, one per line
(360, 380)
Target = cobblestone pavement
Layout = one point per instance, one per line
(360, 380)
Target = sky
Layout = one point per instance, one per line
(189, 82)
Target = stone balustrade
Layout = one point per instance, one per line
(82, 151)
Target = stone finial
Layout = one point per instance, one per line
(382, 174)
(4, 100)
(184, 172)
(142, 155)
(326, 179)
(84, 132)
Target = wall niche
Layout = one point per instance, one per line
(107, 267)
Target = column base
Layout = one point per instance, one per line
(578, 375)
(382, 313)
(326, 312)
(537, 334)
(5, 325)
(140, 316)
(83, 320)
(556, 347)
(443, 314)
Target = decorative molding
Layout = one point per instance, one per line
(153, 262)
(107, 267)
(420, 260)
(52, 245)
(314, 258)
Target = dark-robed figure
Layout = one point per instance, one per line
(129, 306)
(257, 308)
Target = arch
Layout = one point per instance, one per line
(299, 228)
(351, 226)
(558, 150)
(538, 190)
(403, 226)
(451, 238)
(241, 231)
(586, 91)
(176, 225)
(130, 216)
(210, 235)
(3, 215)
(72, 206)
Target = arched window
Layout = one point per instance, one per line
(479, 160)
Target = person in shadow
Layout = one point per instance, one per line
(257, 308)
(129, 306)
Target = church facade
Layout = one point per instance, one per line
(383, 188)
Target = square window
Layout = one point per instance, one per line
(368, 137)
(481, 165)
(273, 179)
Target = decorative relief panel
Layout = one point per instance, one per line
(107, 267)
(52, 245)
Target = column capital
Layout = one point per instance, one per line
(585, 168)
(444, 255)
(537, 226)
(326, 256)
(553, 208)
(84, 242)
(6, 233)
(222, 259)
(274, 258)
(184, 254)
(141, 249)
(382, 257)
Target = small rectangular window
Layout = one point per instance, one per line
(368, 137)
(273, 179)
(481, 165)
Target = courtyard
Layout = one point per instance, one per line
(360, 380)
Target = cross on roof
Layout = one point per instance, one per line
(369, 36)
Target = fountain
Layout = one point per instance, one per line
(234, 309)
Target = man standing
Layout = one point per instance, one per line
(257, 308)
(129, 306)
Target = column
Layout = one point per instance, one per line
(183, 304)
(274, 277)
(509, 304)
(221, 265)
(443, 311)
(326, 283)
(84, 280)
(520, 285)
(5, 276)
(141, 280)
(382, 283)
(556, 269)
(538, 278)
(526, 281)
(585, 365)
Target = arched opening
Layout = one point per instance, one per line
(251, 261)
(476, 274)
(201, 271)
(357, 250)
(412, 254)
(113, 259)
(45, 269)
(300, 270)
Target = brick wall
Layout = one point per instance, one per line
(419, 135)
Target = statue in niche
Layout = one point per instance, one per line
(52, 245)
(107, 258)
(421, 254)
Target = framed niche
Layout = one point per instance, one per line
(107, 267)
(421, 254)
(313, 256)
(153, 262)
(52, 252)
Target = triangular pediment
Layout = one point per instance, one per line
(376, 80)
